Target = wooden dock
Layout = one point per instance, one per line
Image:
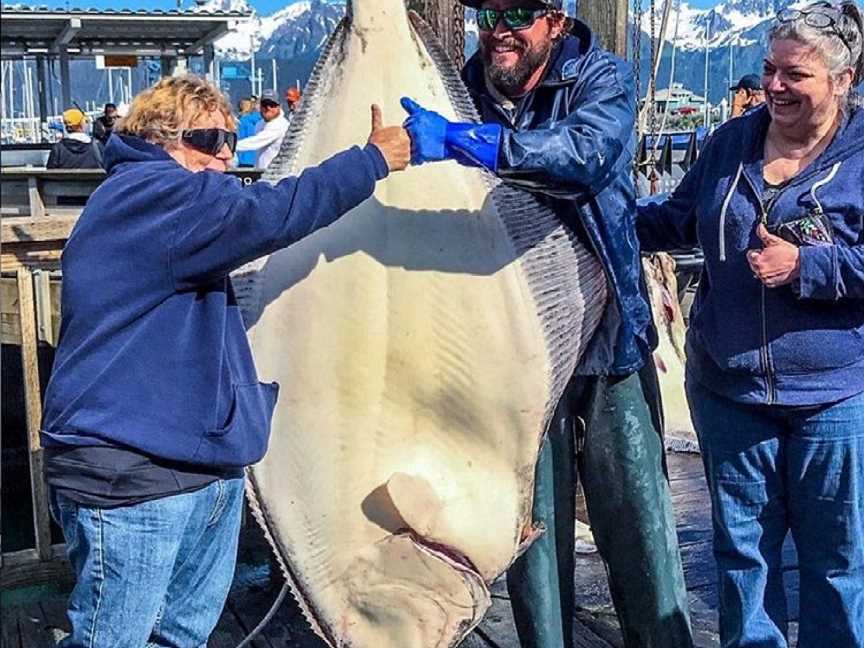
(36, 619)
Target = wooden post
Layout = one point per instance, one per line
(37, 205)
(608, 20)
(33, 410)
(168, 65)
(43, 94)
(44, 311)
(447, 19)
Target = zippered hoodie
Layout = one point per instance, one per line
(799, 344)
(153, 355)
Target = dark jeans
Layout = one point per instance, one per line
(622, 468)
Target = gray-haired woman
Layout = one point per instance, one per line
(775, 365)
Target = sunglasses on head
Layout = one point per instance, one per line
(515, 18)
(822, 15)
(210, 140)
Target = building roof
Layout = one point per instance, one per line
(89, 32)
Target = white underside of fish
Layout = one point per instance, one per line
(421, 343)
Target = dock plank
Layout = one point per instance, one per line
(9, 636)
(228, 632)
(475, 640)
(35, 632)
(497, 627)
(288, 627)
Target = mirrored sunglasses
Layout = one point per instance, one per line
(210, 140)
(515, 18)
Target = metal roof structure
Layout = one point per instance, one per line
(43, 34)
(92, 32)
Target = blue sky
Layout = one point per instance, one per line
(263, 7)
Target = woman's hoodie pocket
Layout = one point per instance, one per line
(242, 440)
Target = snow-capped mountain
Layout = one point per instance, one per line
(298, 29)
(735, 30)
(738, 21)
(736, 33)
(240, 6)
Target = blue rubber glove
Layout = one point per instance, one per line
(434, 138)
(428, 132)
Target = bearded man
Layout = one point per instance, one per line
(558, 120)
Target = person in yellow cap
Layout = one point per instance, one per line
(77, 150)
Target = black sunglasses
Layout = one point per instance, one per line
(210, 140)
(515, 18)
(822, 15)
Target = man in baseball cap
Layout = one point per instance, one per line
(269, 132)
(76, 150)
(74, 118)
(557, 114)
(747, 94)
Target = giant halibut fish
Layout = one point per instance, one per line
(421, 343)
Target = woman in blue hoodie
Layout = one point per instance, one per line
(154, 406)
(775, 348)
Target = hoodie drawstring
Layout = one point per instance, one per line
(726, 201)
(824, 181)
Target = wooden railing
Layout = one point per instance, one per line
(29, 301)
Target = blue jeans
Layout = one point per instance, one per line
(772, 470)
(151, 574)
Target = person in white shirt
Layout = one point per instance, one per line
(269, 132)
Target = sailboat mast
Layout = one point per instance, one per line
(705, 85)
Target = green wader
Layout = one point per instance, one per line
(622, 467)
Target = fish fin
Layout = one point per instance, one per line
(416, 502)
(247, 279)
(311, 106)
(253, 500)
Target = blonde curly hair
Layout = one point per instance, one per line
(161, 113)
